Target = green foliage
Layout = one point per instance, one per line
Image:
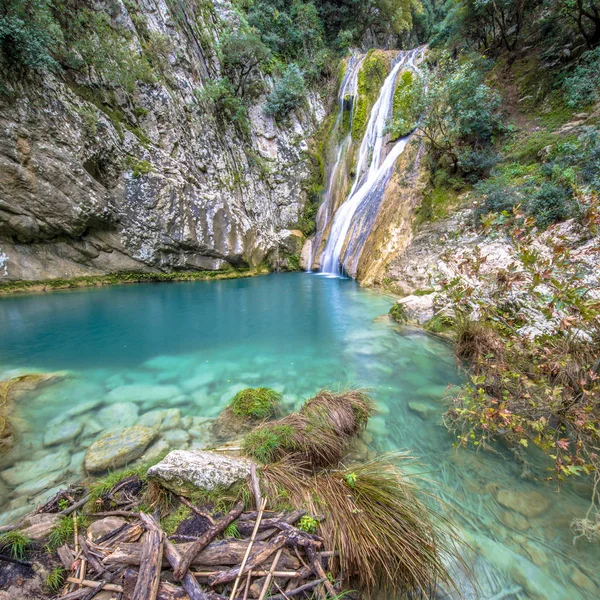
(64, 530)
(15, 543)
(372, 74)
(229, 108)
(28, 35)
(288, 93)
(256, 403)
(398, 313)
(138, 166)
(439, 323)
(436, 204)
(461, 117)
(350, 479)
(582, 86)
(232, 531)
(56, 579)
(244, 54)
(550, 203)
(308, 524)
(264, 444)
(407, 105)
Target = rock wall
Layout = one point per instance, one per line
(96, 179)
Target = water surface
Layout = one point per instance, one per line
(193, 345)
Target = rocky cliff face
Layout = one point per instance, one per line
(97, 178)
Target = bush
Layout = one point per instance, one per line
(550, 203)
(28, 33)
(228, 107)
(407, 105)
(581, 88)
(288, 93)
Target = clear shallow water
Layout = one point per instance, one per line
(193, 345)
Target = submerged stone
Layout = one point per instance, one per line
(528, 503)
(118, 415)
(169, 418)
(186, 471)
(425, 411)
(143, 393)
(60, 431)
(34, 469)
(117, 448)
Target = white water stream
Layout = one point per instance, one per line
(374, 166)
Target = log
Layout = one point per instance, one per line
(318, 567)
(166, 591)
(209, 535)
(245, 527)
(222, 552)
(303, 588)
(66, 556)
(253, 561)
(146, 587)
(92, 560)
(109, 587)
(189, 583)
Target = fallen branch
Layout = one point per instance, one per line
(203, 541)
(148, 581)
(298, 590)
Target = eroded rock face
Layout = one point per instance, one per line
(99, 179)
(183, 471)
(117, 448)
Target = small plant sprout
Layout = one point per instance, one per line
(55, 579)
(350, 479)
(308, 524)
(232, 531)
(15, 543)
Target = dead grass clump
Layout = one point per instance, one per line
(386, 538)
(476, 340)
(318, 435)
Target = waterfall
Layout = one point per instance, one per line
(373, 169)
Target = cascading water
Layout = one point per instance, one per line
(374, 166)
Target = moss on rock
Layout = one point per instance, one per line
(406, 105)
(371, 76)
(256, 403)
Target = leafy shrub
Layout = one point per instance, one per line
(228, 107)
(549, 204)
(398, 313)
(582, 87)
(288, 93)
(407, 105)
(28, 33)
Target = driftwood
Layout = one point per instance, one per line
(166, 591)
(148, 581)
(92, 560)
(194, 549)
(298, 590)
(189, 582)
(224, 552)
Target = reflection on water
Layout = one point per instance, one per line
(133, 349)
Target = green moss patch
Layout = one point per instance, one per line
(406, 105)
(256, 403)
(372, 74)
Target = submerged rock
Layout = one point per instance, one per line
(60, 431)
(35, 469)
(120, 414)
(528, 503)
(118, 448)
(185, 471)
(424, 410)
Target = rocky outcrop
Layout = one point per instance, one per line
(95, 178)
(184, 471)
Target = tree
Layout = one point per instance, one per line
(288, 93)
(28, 33)
(243, 55)
(586, 15)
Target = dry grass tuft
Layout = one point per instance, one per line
(318, 435)
(387, 539)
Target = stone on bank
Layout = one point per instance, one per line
(186, 471)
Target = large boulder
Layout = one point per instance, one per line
(117, 448)
(186, 471)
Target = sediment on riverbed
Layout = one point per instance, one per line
(238, 523)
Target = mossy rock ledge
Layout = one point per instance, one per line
(187, 471)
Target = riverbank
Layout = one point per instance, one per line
(49, 285)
